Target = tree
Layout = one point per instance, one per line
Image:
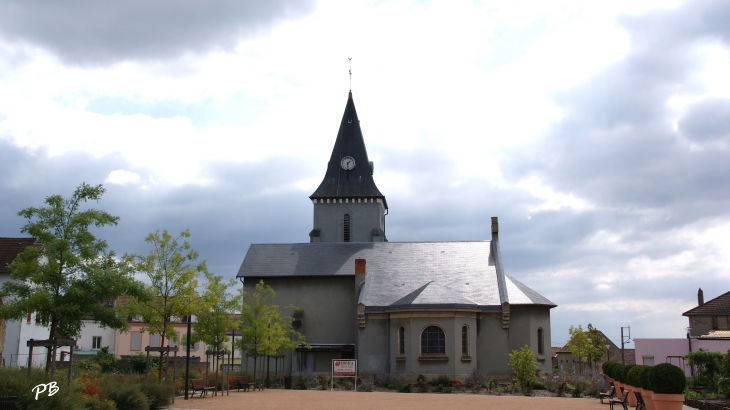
(578, 344)
(173, 275)
(596, 347)
(214, 312)
(69, 275)
(585, 345)
(524, 368)
(263, 329)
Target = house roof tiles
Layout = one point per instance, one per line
(10, 248)
(717, 306)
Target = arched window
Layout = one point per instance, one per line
(465, 341)
(433, 341)
(540, 349)
(401, 341)
(346, 226)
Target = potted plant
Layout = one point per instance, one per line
(644, 383)
(628, 385)
(667, 382)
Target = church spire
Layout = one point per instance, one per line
(349, 172)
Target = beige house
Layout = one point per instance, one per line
(135, 340)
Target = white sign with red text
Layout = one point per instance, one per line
(344, 368)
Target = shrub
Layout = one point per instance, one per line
(105, 360)
(422, 384)
(625, 373)
(17, 382)
(632, 377)
(476, 378)
(128, 397)
(577, 390)
(618, 371)
(708, 367)
(158, 394)
(605, 365)
(98, 403)
(561, 388)
(644, 377)
(538, 385)
(405, 388)
(492, 385)
(87, 366)
(667, 378)
(367, 385)
(524, 367)
(442, 381)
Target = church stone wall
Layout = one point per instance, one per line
(328, 304)
(363, 219)
(372, 346)
(524, 324)
(493, 346)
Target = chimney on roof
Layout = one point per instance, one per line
(495, 227)
(360, 273)
(700, 298)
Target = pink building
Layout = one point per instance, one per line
(655, 351)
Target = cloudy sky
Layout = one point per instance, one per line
(596, 131)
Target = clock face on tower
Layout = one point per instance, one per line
(347, 163)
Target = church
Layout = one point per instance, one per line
(431, 308)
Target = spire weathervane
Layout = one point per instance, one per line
(350, 58)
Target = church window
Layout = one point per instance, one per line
(433, 341)
(346, 226)
(401, 341)
(465, 341)
(540, 343)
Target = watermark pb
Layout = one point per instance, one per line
(51, 387)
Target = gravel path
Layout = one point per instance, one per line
(339, 400)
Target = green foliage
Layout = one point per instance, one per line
(214, 312)
(17, 382)
(158, 394)
(492, 385)
(264, 329)
(723, 381)
(422, 384)
(644, 372)
(367, 385)
(708, 367)
(625, 373)
(632, 376)
(106, 361)
(138, 362)
(667, 378)
(173, 276)
(607, 367)
(68, 276)
(128, 397)
(524, 367)
(87, 366)
(617, 372)
(98, 403)
(586, 344)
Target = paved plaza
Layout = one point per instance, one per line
(338, 400)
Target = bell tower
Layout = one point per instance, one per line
(348, 207)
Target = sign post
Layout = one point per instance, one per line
(343, 368)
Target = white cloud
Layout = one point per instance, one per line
(122, 177)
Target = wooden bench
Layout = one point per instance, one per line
(608, 395)
(199, 385)
(242, 383)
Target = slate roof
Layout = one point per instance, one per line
(358, 182)
(401, 274)
(10, 248)
(718, 306)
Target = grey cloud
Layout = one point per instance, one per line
(85, 31)
(707, 120)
